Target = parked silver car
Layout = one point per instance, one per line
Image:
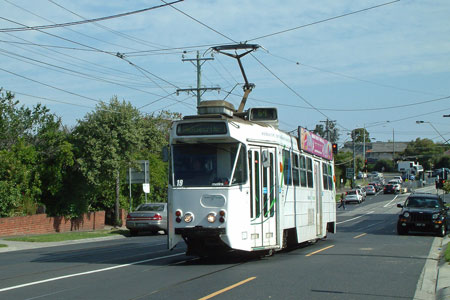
(148, 217)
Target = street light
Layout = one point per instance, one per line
(421, 122)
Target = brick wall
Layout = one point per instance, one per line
(41, 223)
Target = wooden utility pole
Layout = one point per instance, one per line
(199, 91)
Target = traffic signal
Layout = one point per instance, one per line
(335, 148)
(440, 183)
(365, 165)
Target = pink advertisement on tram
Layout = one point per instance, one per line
(314, 144)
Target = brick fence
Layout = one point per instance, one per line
(41, 223)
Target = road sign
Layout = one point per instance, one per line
(349, 173)
(140, 174)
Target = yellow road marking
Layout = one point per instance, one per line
(361, 235)
(312, 253)
(227, 288)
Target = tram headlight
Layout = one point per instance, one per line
(188, 217)
(211, 217)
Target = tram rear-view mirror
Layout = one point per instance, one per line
(165, 154)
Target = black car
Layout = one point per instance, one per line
(423, 212)
(389, 189)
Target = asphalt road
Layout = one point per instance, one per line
(366, 259)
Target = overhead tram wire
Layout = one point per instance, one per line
(41, 27)
(132, 82)
(51, 86)
(142, 70)
(294, 91)
(72, 30)
(79, 59)
(287, 86)
(322, 21)
(46, 46)
(83, 75)
(352, 77)
(124, 35)
(349, 109)
(58, 101)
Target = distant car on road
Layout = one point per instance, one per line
(423, 212)
(148, 217)
(370, 190)
(390, 189)
(353, 196)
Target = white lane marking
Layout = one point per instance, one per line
(85, 273)
(389, 203)
(355, 218)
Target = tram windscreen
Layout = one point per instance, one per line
(209, 164)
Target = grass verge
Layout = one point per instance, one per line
(447, 253)
(67, 236)
(3, 245)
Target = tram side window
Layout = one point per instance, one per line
(325, 176)
(303, 171)
(330, 177)
(309, 169)
(287, 167)
(295, 174)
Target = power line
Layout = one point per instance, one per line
(77, 32)
(109, 29)
(84, 21)
(51, 86)
(293, 91)
(198, 21)
(352, 77)
(58, 101)
(77, 58)
(84, 75)
(322, 21)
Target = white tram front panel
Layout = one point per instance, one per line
(245, 185)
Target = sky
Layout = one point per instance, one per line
(378, 64)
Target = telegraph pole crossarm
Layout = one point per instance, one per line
(199, 91)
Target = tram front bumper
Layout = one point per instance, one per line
(199, 231)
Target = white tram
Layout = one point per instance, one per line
(238, 182)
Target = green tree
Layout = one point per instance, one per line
(359, 135)
(107, 141)
(19, 180)
(384, 165)
(332, 134)
(342, 161)
(425, 150)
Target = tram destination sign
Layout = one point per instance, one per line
(202, 128)
(314, 144)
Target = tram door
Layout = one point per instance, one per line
(263, 196)
(319, 190)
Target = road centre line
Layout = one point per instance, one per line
(361, 235)
(355, 218)
(86, 273)
(389, 203)
(227, 288)
(320, 250)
